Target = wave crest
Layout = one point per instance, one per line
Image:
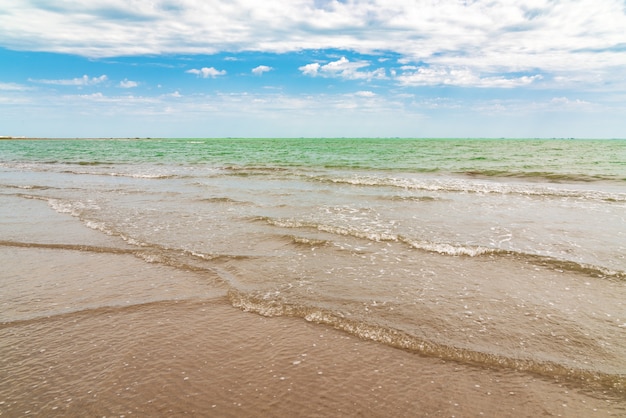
(271, 305)
(472, 186)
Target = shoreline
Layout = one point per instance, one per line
(110, 333)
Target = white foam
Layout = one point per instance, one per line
(474, 186)
(449, 249)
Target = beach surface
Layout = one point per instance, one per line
(313, 277)
(90, 329)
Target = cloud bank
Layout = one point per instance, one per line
(481, 33)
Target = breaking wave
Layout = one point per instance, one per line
(467, 186)
(446, 249)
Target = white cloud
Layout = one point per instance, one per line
(505, 82)
(205, 72)
(343, 68)
(95, 96)
(463, 77)
(128, 84)
(80, 81)
(539, 36)
(411, 27)
(565, 102)
(261, 69)
(13, 87)
(310, 69)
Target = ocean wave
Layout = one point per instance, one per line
(88, 163)
(412, 198)
(97, 169)
(59, 167)
(255, 168)
(450, 249)
(337, 230)
(541, 175)
(224, 200)
(468, 186)
(73, 208)
(447, 249)
(269, 305)
(308, 242)
(251, 171)
(26, 187)
(148, 176)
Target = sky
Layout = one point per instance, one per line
(313, 68)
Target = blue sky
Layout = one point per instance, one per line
(244, 68)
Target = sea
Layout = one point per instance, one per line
(313, 277)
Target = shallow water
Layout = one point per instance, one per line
(502, 262)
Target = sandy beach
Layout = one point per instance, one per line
(78, 337)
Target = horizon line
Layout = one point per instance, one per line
(10, 137)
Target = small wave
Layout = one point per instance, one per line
(25, 187)
(267, 305)
(540, 175)
(308, 242)
(73, 208)
(150, 253)
(536, 259)
(32, 197)
(218, 256)
(62, 207)
(147, 176)
(71, 247)
(441, 248)
(466, 186)
(413, 198)
(257, 168)
(223, 200)
(571, 266)
(249, 171)
(91, 163)
(337, 230)
(450, 249)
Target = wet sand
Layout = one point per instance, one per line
(203, 357)
(87, 332)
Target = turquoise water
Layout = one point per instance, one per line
(584, 160)
(504, 253)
